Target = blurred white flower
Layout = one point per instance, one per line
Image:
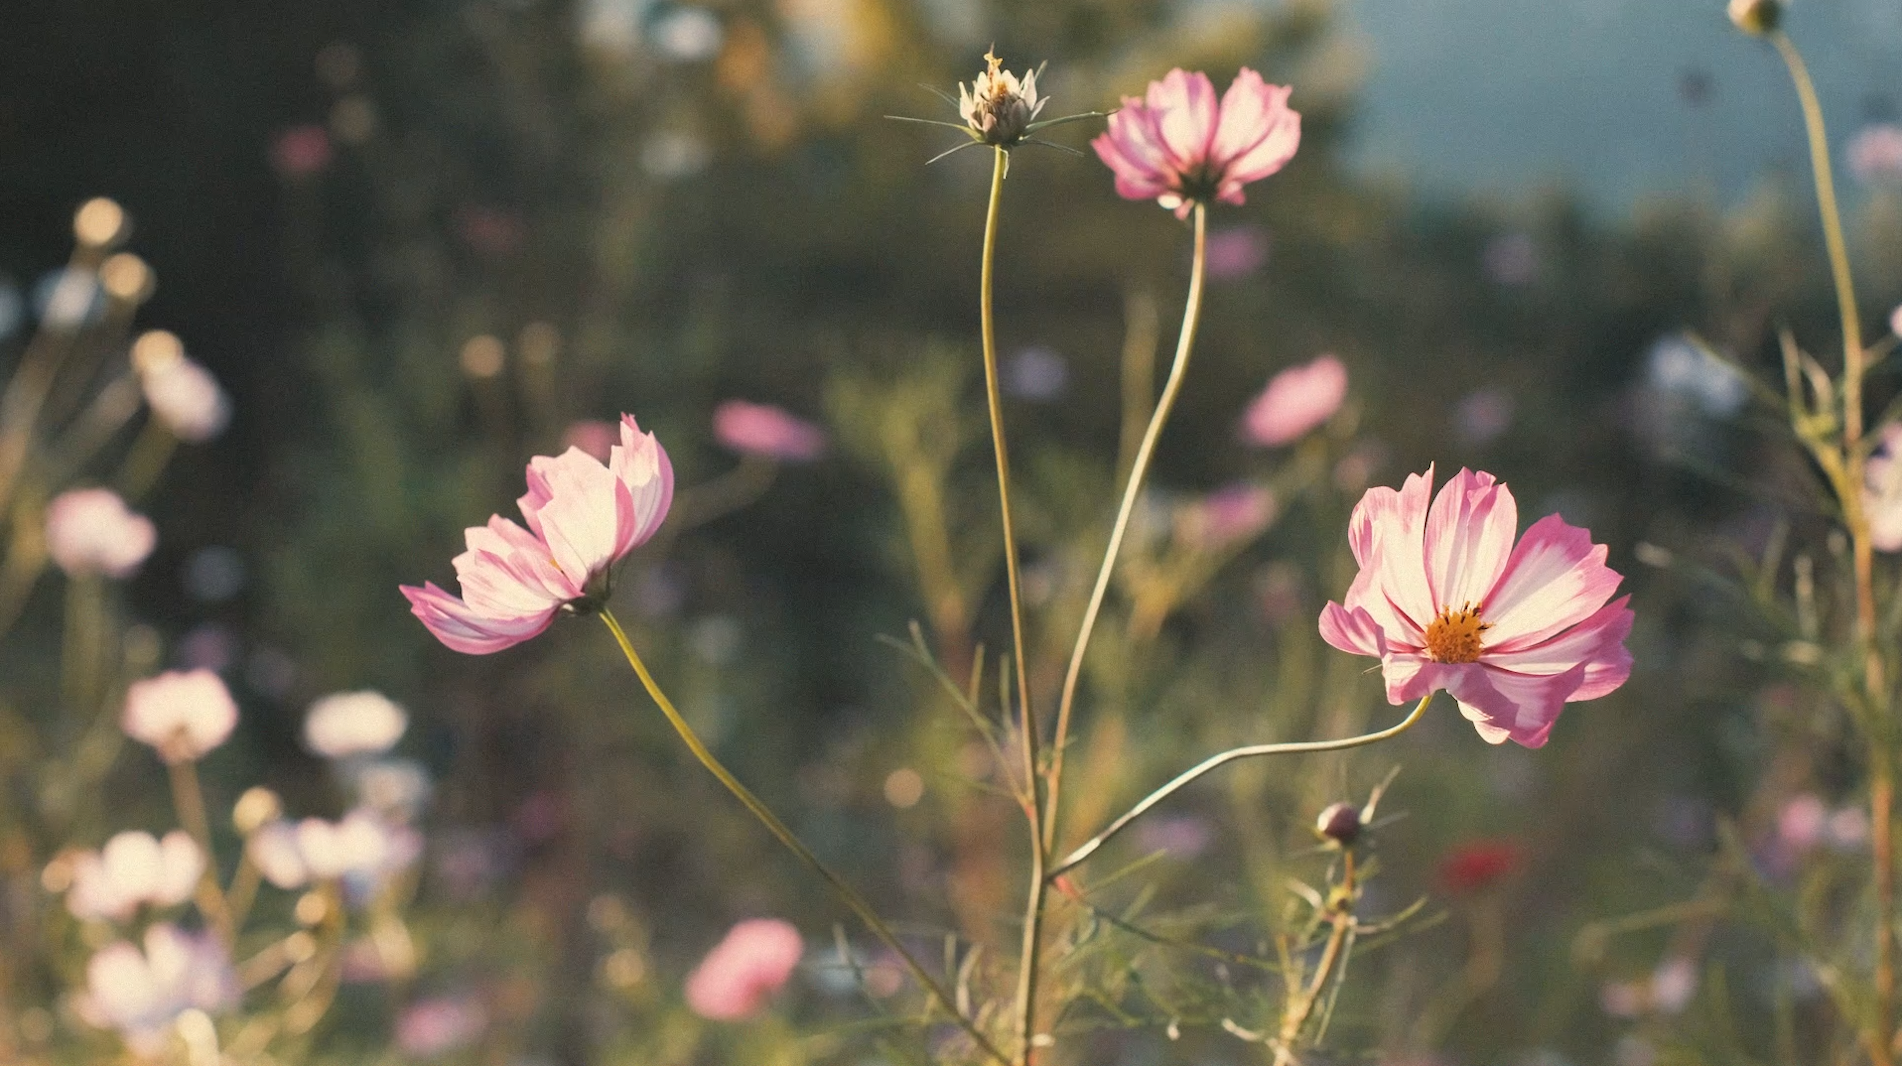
(182, 394)
(353, 723)
(687, 34)
(141, 993)
(67, 298)
(273, 850)
(394, 788)
(133, 869)
(1882, 490)
(1678, 367)
(183, 714)
(92, 531)
(360, 846)
(1875, 153)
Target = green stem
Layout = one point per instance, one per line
(1033, 801)
(846, 892)
(1090, 846)
(1191, 317)
(188, 800)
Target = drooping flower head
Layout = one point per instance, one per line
(582, 516)
(997, 106)
(92, 531)
(1295, 401)
(767, 431)
(353, 723)
(1178, 146)
(1446, 600)
(744, 970)
(183, 714)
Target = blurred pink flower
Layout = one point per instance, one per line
(134, 869)
(1882, 490)
(582, 517)
(744, 970)
(1236, 252)
(1800, 822)
(767, 431)
(1895, 321)
(1875, 153)
(92, 531)
(184, 397)
(353, 723)
(1483, 414)
(431, 1027)
(140, 993)
(592, 435)
(1229, 514)
(301, 151)
(1180, 148)
(183, 714)
(1446, 600)
(1296, 401)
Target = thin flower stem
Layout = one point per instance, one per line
(1191, 317)
(1302, 1007)
(1880, 736)
(846, 892)
(1090, 846)
(1034, 807)
(188, 800)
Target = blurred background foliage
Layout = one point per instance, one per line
(419, 240)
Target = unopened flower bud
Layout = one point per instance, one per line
(997, 107)
(1756, 17)
(258, 806)
(1339, 822)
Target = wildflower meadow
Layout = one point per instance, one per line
(884, 532)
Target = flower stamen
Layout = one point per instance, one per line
(1454, 635)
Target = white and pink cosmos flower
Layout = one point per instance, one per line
(92, 531)
(582, 516)
(1446, 600)
(132, 870)
(183, 714)
(1179, 147)
(1295, 402)
(141, 993)
(745, 970)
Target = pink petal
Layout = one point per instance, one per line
(1503, 705)
(1354, 632)
(584, 519)
(642, 465)
(1469, 538)
(1555, 579)
(1136, 178)
(1186, 113)
(1409, 675)
(1388, 534)
(464, 630)
(1263, 134)
(1598, 643)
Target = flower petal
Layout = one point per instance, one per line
(1598, 643)
(1257, 134)
(468, 631)
(1387, 535)
(1554, 580)
(642, 465)
(1469, 538)
(587, 511)
(1186, 112)
(1354, 632)
(1503, 705)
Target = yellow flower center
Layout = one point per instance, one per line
(1454, 635)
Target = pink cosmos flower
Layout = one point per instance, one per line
(582, 517)
(1180, 148)
(1445, 600)
(767, 431)
(92, 531)
(1296, 401)
(183, 714)
(744, 970)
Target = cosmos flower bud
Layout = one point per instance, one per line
(1756, 17)
(998, 108)
(1339, 822)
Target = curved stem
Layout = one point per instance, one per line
(846, 892)
(1090, 846)
(1191, 317)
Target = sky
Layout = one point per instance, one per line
(1507, 96)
